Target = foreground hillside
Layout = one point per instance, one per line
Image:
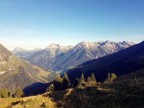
(27, 102)
(124, 92)
(15, 72)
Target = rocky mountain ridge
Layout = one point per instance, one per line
(54, 55)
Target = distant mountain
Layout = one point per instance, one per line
(60, 58)
(121, 63)
(22, 53)
(86, 51)
(15, 72)
(42, 57)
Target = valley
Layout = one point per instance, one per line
(71, 53)
(101, 80)
(15, 72)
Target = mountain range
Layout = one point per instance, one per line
(124, 91)
(41, 57)
(123, 62)
(62, 58)
(15, 72)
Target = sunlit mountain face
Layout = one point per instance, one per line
(54, 55)
(72, 54)
(15, 72)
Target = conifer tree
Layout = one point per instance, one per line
(19, 93)
(82, 81)
(4, 93)
(50, 88)
(93, 79)
(9, 93)
(66, 81)
(111, 77)
(58, 82)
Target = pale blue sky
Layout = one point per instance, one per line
(37, 23)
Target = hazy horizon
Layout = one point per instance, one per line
(46, 45)
(31, 24)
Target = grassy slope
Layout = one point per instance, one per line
(28, 102)
(125, 92)
(19, 73)
(15, 72)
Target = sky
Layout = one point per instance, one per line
(33, 24)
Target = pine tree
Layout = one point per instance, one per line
(50, 88)
(58, 82)
(19, 93)
(9, 93)
(111, 77)
(4, 93)
(66, 81)
(93, 79)
(82, 81)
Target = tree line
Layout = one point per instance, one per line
(5, 93)
(63, 82)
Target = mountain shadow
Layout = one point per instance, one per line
(126, 91)
(35, 89)
(121, 63)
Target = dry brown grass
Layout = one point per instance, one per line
(27, 102)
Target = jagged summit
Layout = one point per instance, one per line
(85, 51)
(54, 55)
(53, 46)
(127, 42)
(122, 62)
(43, 57)
(85, 43)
